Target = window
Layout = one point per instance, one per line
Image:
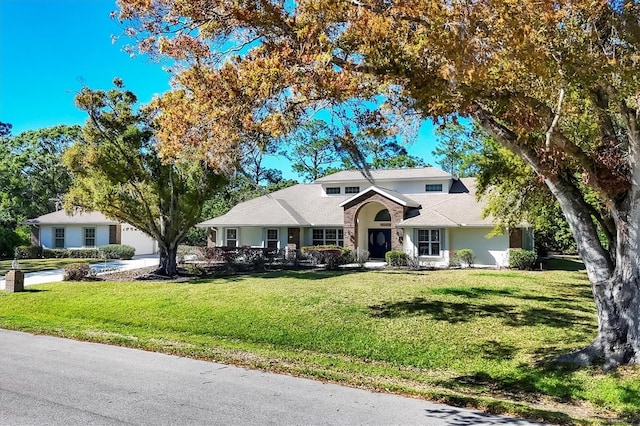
(429, 242)
(351, 189)
(58, 238)
(272, 238)
(89, 237)
(232, 237)
(383, 216)
(328, 237)
(433, 187)
(332, 190)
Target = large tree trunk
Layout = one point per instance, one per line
(168, 264)
(614, 274)
(615, 282)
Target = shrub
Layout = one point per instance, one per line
(10, 239)
(361, 256)
(396, 258)
(76, 272)
(91, 253)
(116, 251)
(70, 253)
(466, 257)
(331, 256)
(522, 259)
(28, 252)
(54, 253)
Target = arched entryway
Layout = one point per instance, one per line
(374, 229)
(371, 220)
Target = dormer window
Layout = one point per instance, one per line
(351, 189)
(433, 187)
(333, 190)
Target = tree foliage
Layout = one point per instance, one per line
(32, 178)
(554, 81)
(117, 171)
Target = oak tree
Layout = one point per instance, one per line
(117, 171)
(554, 81)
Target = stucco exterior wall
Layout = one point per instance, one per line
(492, 251)
(141, 242)
(73, 235)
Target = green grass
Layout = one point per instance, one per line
(34, 265)
(469, 337)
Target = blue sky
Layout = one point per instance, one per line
(49, 49)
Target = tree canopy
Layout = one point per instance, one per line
(554, 81)
(117, 171)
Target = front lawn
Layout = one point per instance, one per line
(34, 265)
(480, 338)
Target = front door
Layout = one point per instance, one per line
(293, 236)
(379, 242)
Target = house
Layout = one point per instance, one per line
(424, 212)
(86, 230)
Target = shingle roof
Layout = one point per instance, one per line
(305, 205)
(388, 193)
(386, 174)
(298, 205)
(457, 208)
(60, 217)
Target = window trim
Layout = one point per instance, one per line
(85, 238)
(226, 237)
(276, 239)
(431, 187)
(429, 241)
(338, 241)
(333, 190)
(56, 238)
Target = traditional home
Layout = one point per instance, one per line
(86, 230)
(424, 212)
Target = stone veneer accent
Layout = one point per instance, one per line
(351, 210)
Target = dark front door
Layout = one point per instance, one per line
(293, 236)
(379, 242)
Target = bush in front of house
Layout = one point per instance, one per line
(70, 253)
(330, 256)
(28, 252)
(396, 258)
(361, 256)
(76, 272)
(523, 260)
(116, 251)
(466, 257)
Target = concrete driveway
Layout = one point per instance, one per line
(53, 275)
(51, 381)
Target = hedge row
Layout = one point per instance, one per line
(111, 251)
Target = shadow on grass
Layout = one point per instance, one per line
(306, 275)
(474, 291)
(562, 264)
(457, 312)
(553, 380)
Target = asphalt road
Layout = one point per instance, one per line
(46, 380)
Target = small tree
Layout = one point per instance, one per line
(118, 172)
(467, 257)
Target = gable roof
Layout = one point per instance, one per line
(298, 205)
(305, 205)
(386, 175)
(387, 193)
(457, 208)
(60, 217)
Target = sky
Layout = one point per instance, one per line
(50, 49)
